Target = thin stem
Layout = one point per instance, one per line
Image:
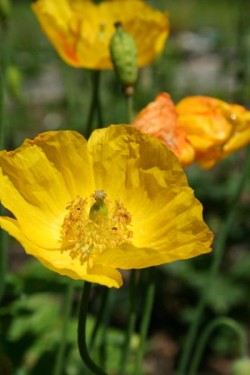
(82, 331)
(230, 323)
(67, 303)
(131, 322)
(147, 310)
(95, 105)
(100, 317)
(104, 332)
(4, 46)
(242, 51)
(130, 106)
(216, 262)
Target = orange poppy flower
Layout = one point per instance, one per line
(198, 128)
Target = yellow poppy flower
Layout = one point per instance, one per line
(214, 128)
(80, 30)
(86, 209)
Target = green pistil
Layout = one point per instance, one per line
(98, 210)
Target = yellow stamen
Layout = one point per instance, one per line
(94, 225)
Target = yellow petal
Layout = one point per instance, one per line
(81, 30)
(148, 179)
(237, 141)
(60, 262)
(214, 128)
(40, 178)
(203, 121)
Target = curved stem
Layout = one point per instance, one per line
(131, 323)
(147, 310)
(67, 303)
(82, 331)
(95, 105)
(235, 326)
(216, 262)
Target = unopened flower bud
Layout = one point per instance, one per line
(241, 367)
(123, 52)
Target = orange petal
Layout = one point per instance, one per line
(214, 128)
(159, 118)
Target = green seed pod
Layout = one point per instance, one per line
(241, 367)
(123, 53)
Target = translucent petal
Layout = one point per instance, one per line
(81, 30)
(60, 262)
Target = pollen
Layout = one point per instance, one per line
(93, 225)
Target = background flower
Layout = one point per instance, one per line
(159, 118)
(198, 128)
(214, 128)
(48, 185)
(80, 30)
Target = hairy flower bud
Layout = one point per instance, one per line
(123, 52)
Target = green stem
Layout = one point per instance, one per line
(100, 317)
(235, 326)
(216, 262)
(147, 311)
(82, 331)
(131, 322)
(242, 51)
(104, 332)
(4, 46)
(67, 303)
(95, 105)
(130, 106)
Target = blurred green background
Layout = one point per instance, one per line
(207, 53)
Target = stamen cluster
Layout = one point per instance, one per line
(85, 237)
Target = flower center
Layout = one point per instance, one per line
(93, 225)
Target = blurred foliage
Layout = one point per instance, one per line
(207, 53)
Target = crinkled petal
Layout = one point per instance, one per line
(203, 122)
(214, 128)
(159, 119)
(148, 179)
(38, 180)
